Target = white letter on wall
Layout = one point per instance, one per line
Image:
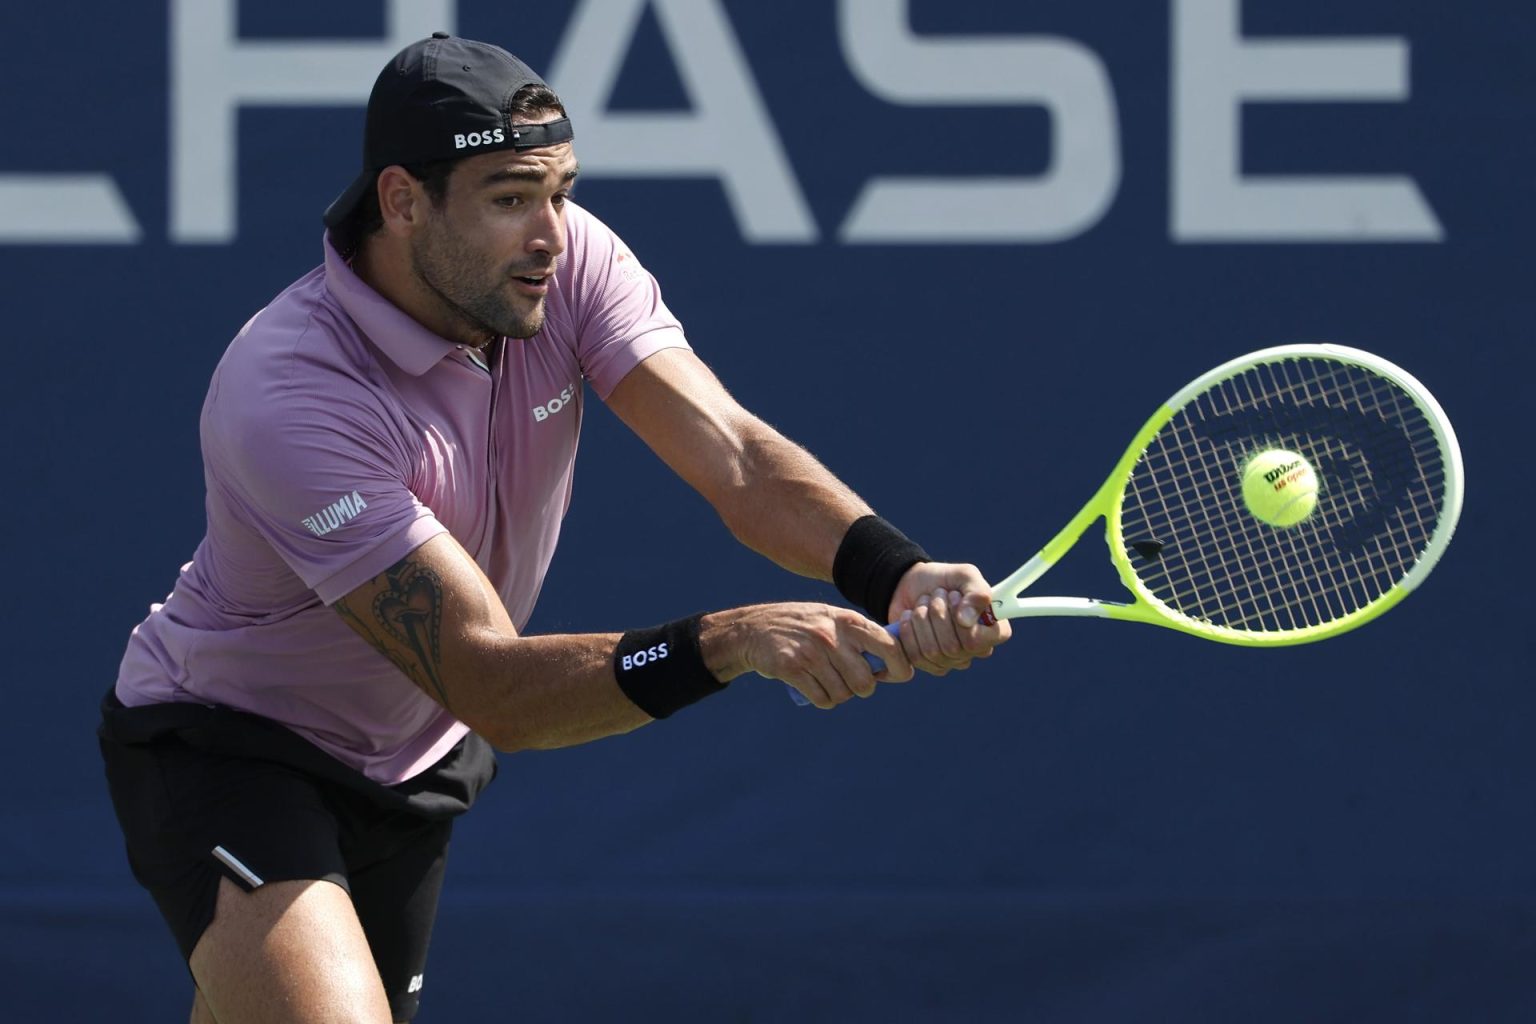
(1214, 73)
(1059, 74)
(214, 74)
(64, 209)
(726, 135)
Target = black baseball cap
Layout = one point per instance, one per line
(442, 98)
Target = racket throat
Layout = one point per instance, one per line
(1005, 594)
(1081, 607)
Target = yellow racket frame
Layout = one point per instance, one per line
(1107, 503)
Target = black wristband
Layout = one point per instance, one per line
(662, 669)
(871, 560)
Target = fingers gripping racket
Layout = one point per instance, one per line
(1206, 541)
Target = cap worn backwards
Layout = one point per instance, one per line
(442, 98)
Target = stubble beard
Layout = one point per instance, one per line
(455, 274)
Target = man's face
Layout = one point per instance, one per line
(489, 250)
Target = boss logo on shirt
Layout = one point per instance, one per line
(554, 405)
(474, 139)
(334, 514)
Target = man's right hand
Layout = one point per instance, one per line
(816, 648)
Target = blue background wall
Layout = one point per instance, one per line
(1101, 823)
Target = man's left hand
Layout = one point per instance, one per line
(945, 611)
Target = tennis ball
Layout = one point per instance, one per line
(1279, 487)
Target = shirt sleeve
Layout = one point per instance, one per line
(615, 305)
(321, 475)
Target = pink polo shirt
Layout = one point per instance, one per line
(338, 435)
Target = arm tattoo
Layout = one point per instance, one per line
(409, 610)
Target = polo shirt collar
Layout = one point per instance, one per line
(407, 343)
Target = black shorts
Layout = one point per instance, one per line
(207, 792)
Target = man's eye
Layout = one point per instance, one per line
(509, 200)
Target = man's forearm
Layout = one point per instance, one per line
(787, 506)
(543, 692)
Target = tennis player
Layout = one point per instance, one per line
(388, 451)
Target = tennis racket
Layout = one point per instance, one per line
(1195, 558)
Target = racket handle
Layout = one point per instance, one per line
(876, 664)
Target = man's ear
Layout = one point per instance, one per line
(400, 199)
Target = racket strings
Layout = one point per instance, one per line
(1382, 482)
(1346, 593)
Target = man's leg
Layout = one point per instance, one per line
(396, 901)
(286, 953)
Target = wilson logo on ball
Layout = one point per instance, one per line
(1280, 471)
